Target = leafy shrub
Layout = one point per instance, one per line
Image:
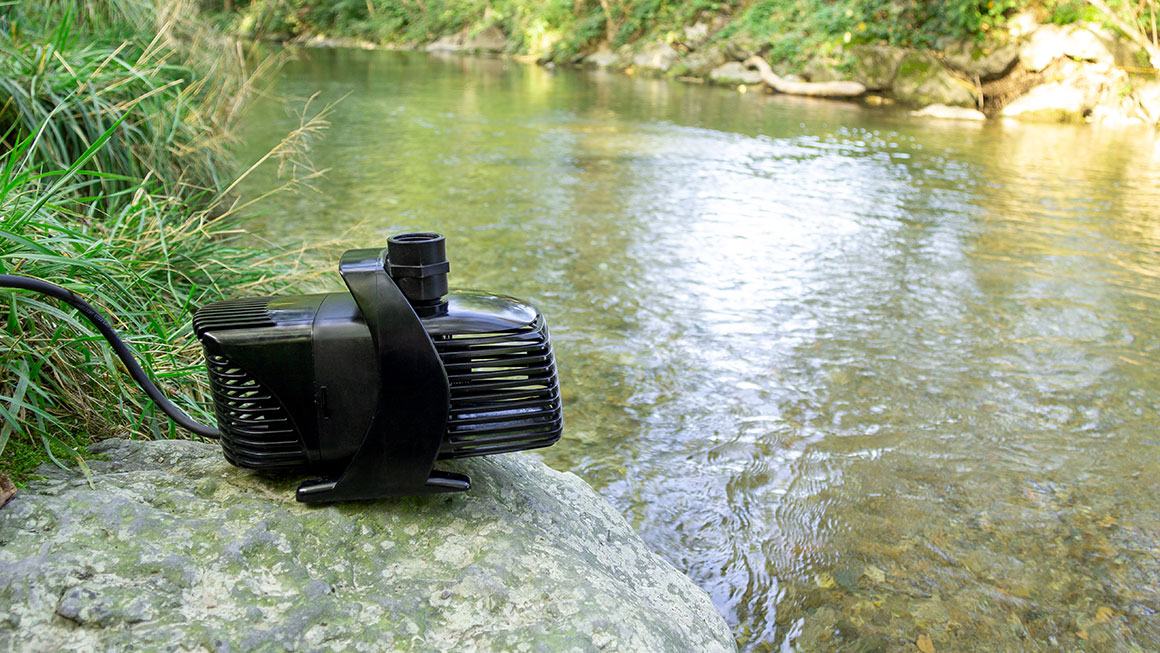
(923, 24)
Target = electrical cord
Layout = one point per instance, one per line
(122, 350)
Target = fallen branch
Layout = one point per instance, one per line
(812, 89)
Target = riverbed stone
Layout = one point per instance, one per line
(921, 79)
(875, 66)
(167, 547)
(734, 73)
(656, 56)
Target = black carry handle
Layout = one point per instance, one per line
(398, 452)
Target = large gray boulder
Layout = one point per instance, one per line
(1148, 96)
(448, 43)
(988, 60)
(697, 33)
(921, 79)
(1045, 45)
(734, 73)
(702, 62)
(603, 58)
(170, 548)
(1054, 102)
(822, 69)
(741, 46)
(490, 39)
(943, 112)
(875, 66)
(1081, 42)
(1085, 92)
(1122, 111)
(656, 56)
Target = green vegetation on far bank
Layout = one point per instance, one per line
(559, 30)
(115, 183)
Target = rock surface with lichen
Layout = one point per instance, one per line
(165, 546)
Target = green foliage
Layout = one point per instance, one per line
(77, 68)
(113, 183)
(794, 29)
(1063, 12)
(563, 27)
(923, 24)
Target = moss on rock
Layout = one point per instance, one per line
(922, 80)
(173, 548)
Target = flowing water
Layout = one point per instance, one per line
(871, 382)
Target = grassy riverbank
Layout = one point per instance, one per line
(115, 182)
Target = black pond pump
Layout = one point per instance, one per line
(367, 389)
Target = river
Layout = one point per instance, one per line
(870, 381)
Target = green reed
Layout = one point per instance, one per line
(115, 182)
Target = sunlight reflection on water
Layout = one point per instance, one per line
(863, 378)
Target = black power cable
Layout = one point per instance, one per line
(119, 346)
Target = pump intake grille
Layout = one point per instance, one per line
(505, 395)
(256, 430)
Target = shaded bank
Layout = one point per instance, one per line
(1053, 62)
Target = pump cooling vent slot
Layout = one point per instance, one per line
(505, 395)
(255, 427)
(249, 313)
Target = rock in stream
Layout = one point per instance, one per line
(170, 547)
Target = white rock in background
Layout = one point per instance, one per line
(1080, 42)
(1148, 95)
(949, 113)
(875, 66)
(447, 43)
(696, 33)
(1022, 24)
(657, 56)
(821, 69)
(1045, 45)
(702, 62)
(174, 549)
(491, 39)
(922, 80)
(603, 58)
(1054, 102)
(1123, 112)
(987, 60)
(734, 73)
